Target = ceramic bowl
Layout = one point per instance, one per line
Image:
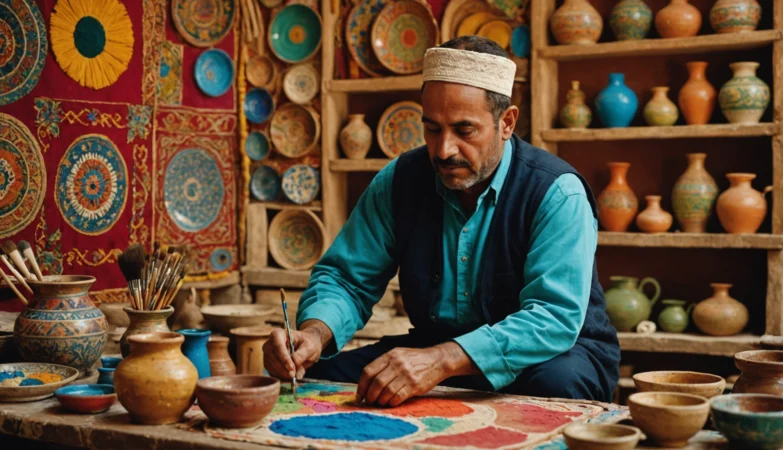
(237, 401)
(301, 184)
(27, 382)
(265, 184)
(358, 25)
(295, 33)
(260, 71)
(257, 146)
(749, 421)
(225, 317)
(295, 130)
(296, 239)
(259, 105)
(669, 418)
(86, 398)
(214, 72)
(696, 383)
(583, 436)
(761, 372)
(402, 33)
(301, 83)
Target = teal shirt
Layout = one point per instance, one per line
(354, 273)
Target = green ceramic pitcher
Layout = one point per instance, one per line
(674, 318)
(626, 303)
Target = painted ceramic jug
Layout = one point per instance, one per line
(674, 318)
(626, 303)
(617, 203)
(720, 315)
(693, 195)
(356, 137)
(575, 113)
(762, 372)
(745, 97)
(654, 219)
(660, 111)
(735, 16)
(616, 105)
(630, 20)
(61, 325)
(195, 349)
(143, 322)
(740, 208)
(678, 19)
(220, 362)
(697, 96)
(576, 22)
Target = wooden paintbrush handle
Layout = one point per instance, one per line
(17, 259)
(33, 262)
(15, 273)
(13, 288)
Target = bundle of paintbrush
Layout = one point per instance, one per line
(15, 258)
(154, 279)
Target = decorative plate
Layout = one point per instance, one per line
(471, 24)
(220, 259)
(193, 189)
(22, 50)
(296, 239)
(357, 35)
(257, 146)
(301, 83)
(259, 105)
(214, 72)
(203, 23)
(295, 130)
(498, 31)
(403, 31)
(265, 184)
(456, 11)
(301, 183)
(513, 9)
(27, 382)
(260, 71)
(520, 41)
(295, 33)
(400, 128)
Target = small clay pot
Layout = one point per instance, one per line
(237, 401)
(740, 208)
(575, 113)
(669, 418)
(654, 219)
(144, 322)
(735, 16)
(695, 383)
(220, 361)
(678, 19)
(250, 348)
(762, 372)
(720, 315)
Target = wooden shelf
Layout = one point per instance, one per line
(230, 280)
(691, 240)
(275, 277)
(724, 130)
(671, 46)
(358, 165)
(688, 343)
(386, 84)
(312, 206)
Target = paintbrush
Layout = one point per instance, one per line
(9, 248)
(15, 273)
(131, 263)
(13, 288)
(290, 339)
(27, 251)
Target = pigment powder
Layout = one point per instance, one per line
(353, 426)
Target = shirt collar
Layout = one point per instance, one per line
(498, 179)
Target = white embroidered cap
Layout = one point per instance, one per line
(482, 70)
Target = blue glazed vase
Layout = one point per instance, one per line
(195, 349)
(106, 375)
(616, 105)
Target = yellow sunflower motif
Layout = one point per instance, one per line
(92, 40)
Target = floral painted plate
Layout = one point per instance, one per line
(498, 31)
(471, 24)
(295, 130)
(295, 33)
(259, 105)
(257, 146)
(27, 382)
(456, 11)
(400, 128)
(301, 183)
(401, 34)
(214, 72)
(265, 184)
(203, 23)
(260, 71)
(357, 35)
(301, 83)
(296, 239)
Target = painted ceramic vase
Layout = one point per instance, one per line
(654, 219)
(660, 111)
(617, 203)
(575, 113)
(740, 208)
(630, 20)
(143, 322)
(720, 315)
(220, 362)
(195, 349)
(697, 96)
(693, 195)
(678, 19)
(616, 105)
(674, 318)
(576, 22)
(356, 137)
(762, 372)
(745, 97)
(156, 383)
(61, 325)
(250, 349)
(626, 303)
(735, 16)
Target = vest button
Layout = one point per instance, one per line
(435, 278)
(464, 258)
(432, 316)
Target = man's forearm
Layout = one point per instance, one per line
(455, 361)
(319, 329)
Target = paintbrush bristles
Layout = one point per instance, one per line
(10, 249)
(27, 251)
(154, 279)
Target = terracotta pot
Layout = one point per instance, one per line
(669, 418)
(697, 96)
(740, 208)
(693, 195)
(678, 19)
(626, 303)
(720, 315)
(660, 111)
(735, 16)
(144, 322)
(356, 137)
(630, 20)
(745, 97)
(219, 360)
(762, 372)
(694, 383)
(617, 204)
(575, 113)
(238, 401)
(250, 349)
(156, 383)
(654, 219)
(576, 22)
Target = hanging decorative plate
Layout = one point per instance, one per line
(265, 184)
(203, 23)
(520, 41)
(400, 128)
(456, 11)
(470, 25)
(259, 105)
(214, 72)
(295, 130)
(92, 40)
(193, 189)
(22, 176)
(403, 31)
(296, 239)
(220, 259)
(260, 71)
(498, 31)
(357, 35)
(295, 33)
(23, 48)
(513, 9)
(301, 183)
(301, 83)
(257, 146)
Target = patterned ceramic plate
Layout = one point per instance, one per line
(203, 23)
(260, 71)
(265, 184)
(257, 146)
(520, 41)
(295, 130)
(23, 47)
(301, 83)
(357, 35)
(496, 30)
(401, 34)
(26, 382)
(301, 183)
(471, 24)
(259, 105)
(214, 72)
(456, 11)
(193, 189)
(295, 33)
(296, 239)
(400, 128)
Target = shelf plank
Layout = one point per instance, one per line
(761, 241)
(385, 84)
(671, 46)
(688, 343)
(275, 277)
(358, 165)
(723, 130)
(230, 280)
(312, 206)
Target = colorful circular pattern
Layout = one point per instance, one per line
(257, 146)
(301, 83)
(23, 47)
(400, 128)
(203, 23)
(91, 185)
(351, 426)
(214, 72)
(265, 184)
(403, 31)
(295, 130)
(296, 239)
(193, 189)
(357, 35)
(220, 259)
(259, 105)
(22, 176)
(301, 183)
(295, 33)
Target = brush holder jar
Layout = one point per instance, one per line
(144, 322)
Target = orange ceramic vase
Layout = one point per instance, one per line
(617, 204)
(720, 315)
(654, 219)
(740, 208)
(576, 22)
(697, 96)
(678, 19)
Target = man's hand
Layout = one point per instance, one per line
(308, 344)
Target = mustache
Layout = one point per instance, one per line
(451, 161)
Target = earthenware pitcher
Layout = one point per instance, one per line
(740, 208)
(674, 318)
(61, 325)
(735, 16)
(693, 195)
(576, 22)
(762, 372)
(617, 203)
(220, 362)
(143, 322)
(630, 20)
(626, 303)
(720, 315)
(575, 113)
(195, 349)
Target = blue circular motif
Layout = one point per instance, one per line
(92, 184)
(265, 184)
(220, 259)
(257, 146)
(259, 105)
(301, 183)
(352, 426)
(214, 72)
(520, 41)
(193, 189)
(23, 47)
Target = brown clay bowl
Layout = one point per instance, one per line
(669, 418)
(237, 401)
(223, 318)
(762, 372)
(696, 383)
(582, 436)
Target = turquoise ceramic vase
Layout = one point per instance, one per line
(195, 349)
(616, 105)
(631, 20)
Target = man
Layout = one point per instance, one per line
(495, 244)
